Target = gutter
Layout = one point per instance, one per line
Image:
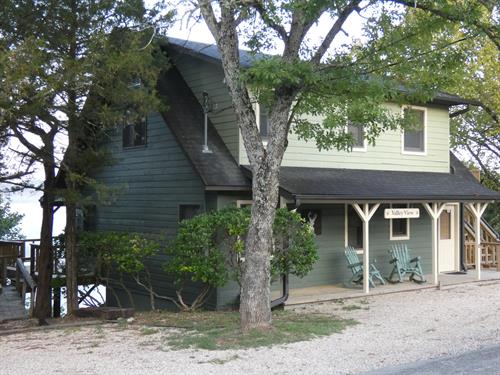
(286, 292)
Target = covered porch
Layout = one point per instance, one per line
(430, 225)
(324, 293)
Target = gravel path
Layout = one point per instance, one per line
(393, 329)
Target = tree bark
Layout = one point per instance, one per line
(71, 259)
(44, 261)
(71, 188)
(255, 299)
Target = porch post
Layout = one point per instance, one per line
(434, 210)
(477, 209)
(366, 213)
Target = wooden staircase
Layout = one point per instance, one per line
(490, 243)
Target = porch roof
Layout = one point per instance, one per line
(371, 185)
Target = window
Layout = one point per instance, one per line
(399, 228)
(244, 203)
(354, 228)
(358, 133)
(135, 134)
(263, 116)
(188, 211)
(445, 225)
(414, 136)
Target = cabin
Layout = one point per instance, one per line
(407, 188)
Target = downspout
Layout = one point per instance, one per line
(462, 239)
(286, 289)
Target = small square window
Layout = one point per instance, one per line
(188, 211)
(135, 134)
(414, 135)
(358, 133)
(400, 228)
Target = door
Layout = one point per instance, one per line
(447, 235)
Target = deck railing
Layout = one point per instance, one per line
(490, 254)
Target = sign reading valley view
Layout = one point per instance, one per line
(402, 213)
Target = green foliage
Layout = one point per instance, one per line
(76, 69)
(203, 243)
(294, 250)
(210, 247)
(9, 222)
(124, 253)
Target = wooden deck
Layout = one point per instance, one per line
(325, 293)
(11, 305)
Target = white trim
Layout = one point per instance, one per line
(243, 202)
(357, 148)
(420, 153)
(396, 238)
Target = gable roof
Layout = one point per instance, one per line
(185, 118)
(373, 185)
(210, 52)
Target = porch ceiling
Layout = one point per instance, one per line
(329, 184)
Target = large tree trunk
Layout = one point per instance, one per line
(71, 259)
(255, 301)
(44, 261)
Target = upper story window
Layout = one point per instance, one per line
(135, 134)
(357, 131)
(415, 137)
(263, 121)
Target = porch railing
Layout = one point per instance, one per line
(490, 254)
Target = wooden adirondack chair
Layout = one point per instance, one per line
(404, 264)
(356, 268)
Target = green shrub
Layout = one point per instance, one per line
(210, 249)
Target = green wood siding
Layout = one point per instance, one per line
(331, 268)
(202, 76)
(153, 181)
(385, 155)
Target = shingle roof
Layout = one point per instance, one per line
(355, 184)
(185, 119)
(211, 52)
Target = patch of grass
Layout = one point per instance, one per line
(71, 330)
(146, 331)
(351, 307)
(221, 330)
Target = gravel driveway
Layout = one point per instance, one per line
(393, 329)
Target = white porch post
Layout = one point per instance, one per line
(434, 210)
(366, 213)
(477, 209)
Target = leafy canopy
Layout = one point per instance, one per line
(9, 222)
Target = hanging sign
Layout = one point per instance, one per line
(402, 213)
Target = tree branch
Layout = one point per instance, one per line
(490, 31)
(334, 30)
